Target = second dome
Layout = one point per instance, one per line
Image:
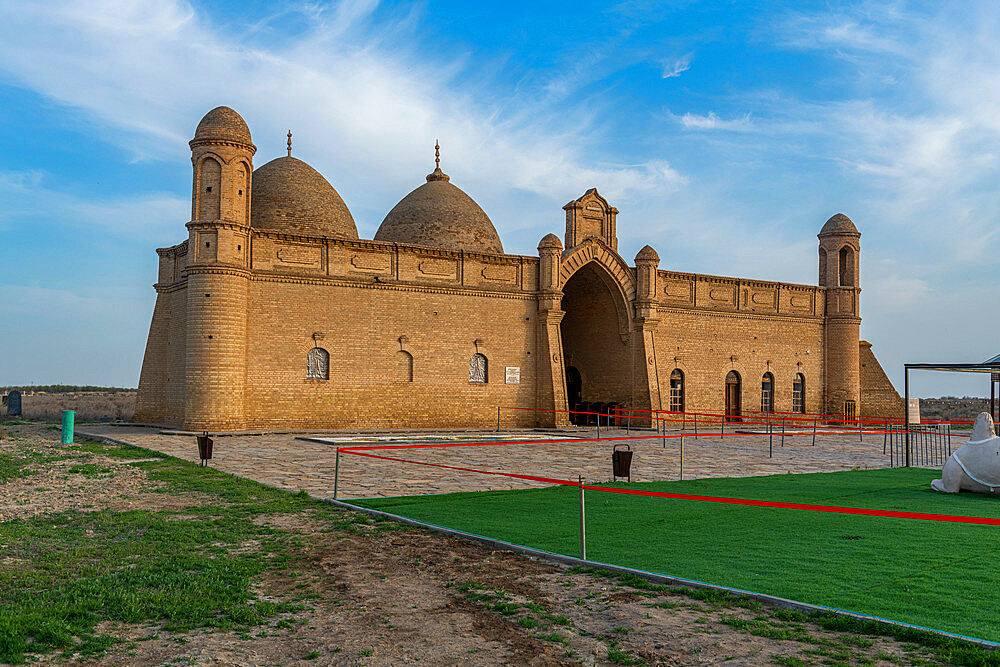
(440, 215)
(290, 196)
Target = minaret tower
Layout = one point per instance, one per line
(839, 273)
(218, 272)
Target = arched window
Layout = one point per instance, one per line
(767, 393)
(677, 390)
(404, 366)
(799, 393)
(209, 189)
(822, 267)
(733, 397)
(846, 267)
(478, 368)
(318, 364)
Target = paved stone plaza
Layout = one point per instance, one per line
(290, 462)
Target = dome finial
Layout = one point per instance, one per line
(437, 174)
(289, 143)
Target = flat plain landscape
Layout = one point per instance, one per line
(116, 554)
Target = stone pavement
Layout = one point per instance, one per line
(288, 462)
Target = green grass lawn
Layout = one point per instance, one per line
(940, 575)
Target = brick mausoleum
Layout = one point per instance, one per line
(273, 314)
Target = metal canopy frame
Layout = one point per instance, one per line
(989, 366)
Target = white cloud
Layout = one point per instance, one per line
(154, 217)
(674, 67)
(711, 121)
(364, 101)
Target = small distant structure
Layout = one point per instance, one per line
(14, 403)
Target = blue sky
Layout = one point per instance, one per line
(725, 133)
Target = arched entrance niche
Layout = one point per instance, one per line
(595, 338)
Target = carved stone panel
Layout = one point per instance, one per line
(318, 364)
(477, 368)
(678, 292)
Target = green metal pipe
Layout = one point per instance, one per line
(69, 417)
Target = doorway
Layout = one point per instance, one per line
(574, 392)
(733, 397)
(592, 344)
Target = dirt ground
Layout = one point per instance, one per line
(407, 596)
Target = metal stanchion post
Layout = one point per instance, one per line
(628, 421)
(696, 426)
(583, 524)
(814, 433)
(770, 440)
(498, 419)
(336, 475)
(664, 434)
(682, 455)
(782, 431)
(722, 430)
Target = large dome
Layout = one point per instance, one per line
(223, 124)
(290, 196)
(440, 215)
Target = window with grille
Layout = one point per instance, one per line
(767, 393)
(799, 394)
(318, 364)
(677, 391)
(478, 369)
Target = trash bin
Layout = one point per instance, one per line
(621, 462)
(204, 448)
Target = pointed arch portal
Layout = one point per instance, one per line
(594, 344)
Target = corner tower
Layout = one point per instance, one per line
(839, 274)
(218, 272)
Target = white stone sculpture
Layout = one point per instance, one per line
(975, 466)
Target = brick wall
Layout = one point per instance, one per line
(878, 397)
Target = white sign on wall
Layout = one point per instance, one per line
(513, 375)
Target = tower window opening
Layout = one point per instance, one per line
(240, 192)
(208, 189)
(846, 267)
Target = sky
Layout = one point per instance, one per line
(725, 133)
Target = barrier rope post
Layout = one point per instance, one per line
(664, 433)
(598, 425)
(782, 431)
(814, 433)
(682, 455)
(336, 474)
(722, 430)
(770, 440)
(583, 524)
(696, 426)
(498, 419)
(885, 436)
(948, 427)
(628, 422)
(861, 437)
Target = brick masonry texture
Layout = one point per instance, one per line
(240, 305)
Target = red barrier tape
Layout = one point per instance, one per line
(892, 514)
